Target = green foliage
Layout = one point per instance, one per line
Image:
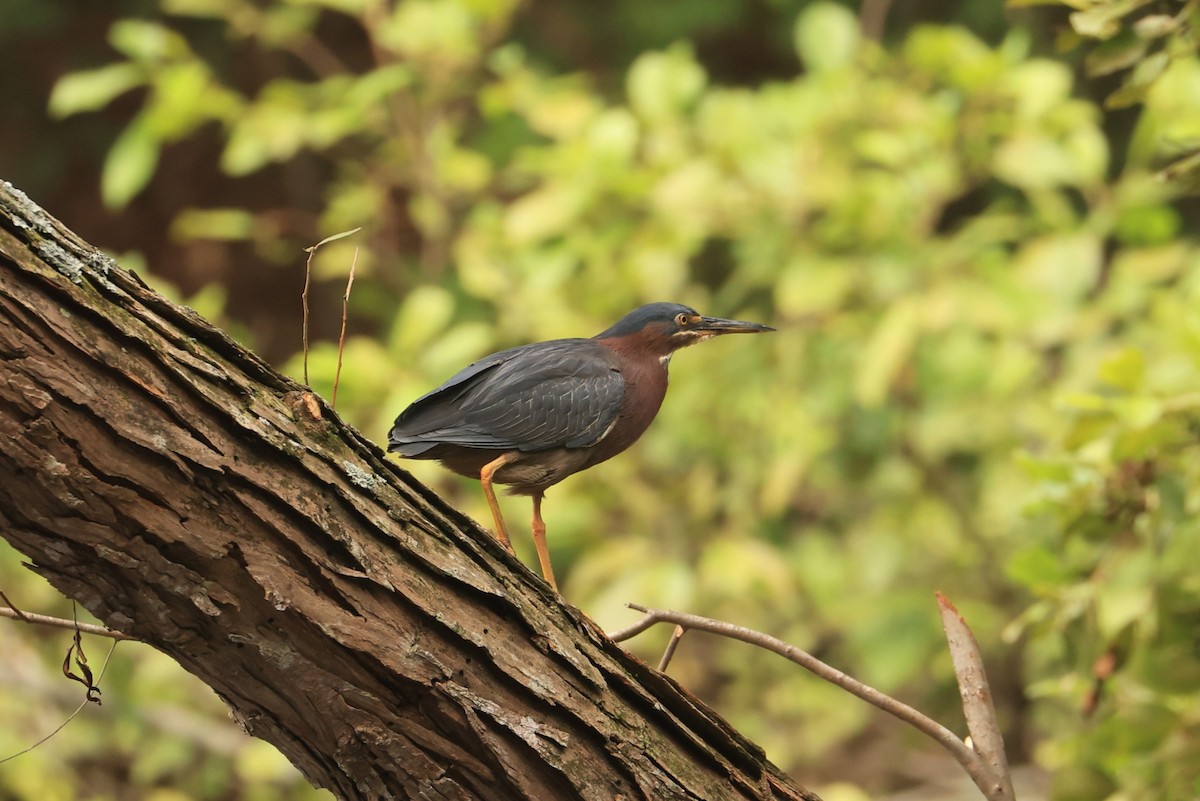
(984, 379)
(1143, 42)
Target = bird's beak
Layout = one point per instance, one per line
(716, 325)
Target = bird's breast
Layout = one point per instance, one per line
(645, 388)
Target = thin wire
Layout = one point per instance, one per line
(78, 709)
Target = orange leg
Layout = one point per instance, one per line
(485, 477)
(539, 541)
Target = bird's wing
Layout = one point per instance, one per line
(558, 394)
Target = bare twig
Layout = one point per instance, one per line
(977, 702)
(58, 622)
(304, 305)
(629, 632)
(337, 376)
(19, 614)
(676, 636)
(312, 251)
(975, 767)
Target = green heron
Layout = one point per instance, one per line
(532, 415)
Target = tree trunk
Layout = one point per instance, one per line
(189, 495)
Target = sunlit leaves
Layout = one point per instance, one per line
(1133, 36)
(290, 115)
(183, 95)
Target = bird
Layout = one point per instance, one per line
(530, 416)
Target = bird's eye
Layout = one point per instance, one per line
(681, 320)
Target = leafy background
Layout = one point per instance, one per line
(973, 225)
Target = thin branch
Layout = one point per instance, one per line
(676, 636)
(58, 622)
(620, 635)
(979, 772)
(337, 376)
(19, 614)
(978, 709)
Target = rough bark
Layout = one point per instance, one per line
(189, 495)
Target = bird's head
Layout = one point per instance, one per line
(660, 329)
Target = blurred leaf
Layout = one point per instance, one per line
(93, 89)
(129, 164)
(1124, 594)
(350, 7)
(663, 84)
(145, 41)
(827, 36)
(1123, 369)
(201, 8)
(184, 98)
(1148, 225)
(438, 30)
(1103, 19)
(542, 213)
(223, 224)
(1039, 569)
(1120, 52)
(423, 316)
(1153, 26)
(1139, 81)
(272, 129)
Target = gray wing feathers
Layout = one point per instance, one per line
(551, 395)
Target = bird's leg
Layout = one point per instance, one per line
(539, 542)
(485, 478)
